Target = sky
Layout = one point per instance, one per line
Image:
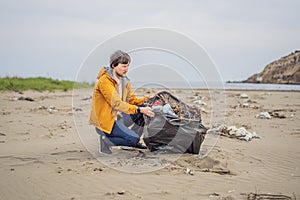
(52, 38)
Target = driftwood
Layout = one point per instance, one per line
(217, 170)
(255, 196)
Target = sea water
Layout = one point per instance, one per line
(216, 85)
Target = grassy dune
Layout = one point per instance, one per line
(38, 84)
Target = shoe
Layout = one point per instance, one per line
(104, 148)
(140, 146)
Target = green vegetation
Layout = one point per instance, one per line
(39, 84)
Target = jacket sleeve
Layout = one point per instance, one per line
(112, 97)
(133, 99)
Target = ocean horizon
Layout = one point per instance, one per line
(216, 85)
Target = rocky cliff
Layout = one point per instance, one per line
(286, 70)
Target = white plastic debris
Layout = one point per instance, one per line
(188, 171)
(51, 109)
(199, 102)
(233, 132)
(264, 115)
(244, 96)
(166, 109)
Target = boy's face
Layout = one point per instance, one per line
(121, 69)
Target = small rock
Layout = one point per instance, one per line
(25, 99)
(121, 192)
(98, 169)
(77, 109)
(214, 195)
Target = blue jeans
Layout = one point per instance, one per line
(121, 135)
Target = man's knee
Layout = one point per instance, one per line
(133, 140)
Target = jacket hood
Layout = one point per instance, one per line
(109, 71)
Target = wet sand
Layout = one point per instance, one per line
(48, 151)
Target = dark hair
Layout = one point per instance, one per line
(119, 57)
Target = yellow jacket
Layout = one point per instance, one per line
(107, 101)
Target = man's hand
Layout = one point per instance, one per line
(147, 111)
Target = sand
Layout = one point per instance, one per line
(48, 151)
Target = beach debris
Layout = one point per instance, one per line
(264, 115)
(203, 110)
(64, 125)
(5, 113)
(189, 171)
(249, 101)
(244, 96)
(50, 109)
(216, 170)
(25, 99)
(121, 192)
(199, 102)
(246, 105)
(87, 98)
(97, 169)
(2, 134)
(233, 132)
(214, 195)
(255, 196)
(22, 99)
(77, 109)
(277, 115)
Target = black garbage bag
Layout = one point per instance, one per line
(175, 128)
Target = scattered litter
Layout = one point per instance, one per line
(255, 196)
(233, 132)
(50, 109)
(244, 96)
(189, 171)
(22, 99)
(97, 169)
(87, 98)
(203, 110)
(25, 99)
(264, 115)
(2, 134)
(121, 192)
(77, 109)
(64, 125)
(246, 105)
(217, 170)
(277, 115)
(199, 102)
(214, 195)
(249, 101)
